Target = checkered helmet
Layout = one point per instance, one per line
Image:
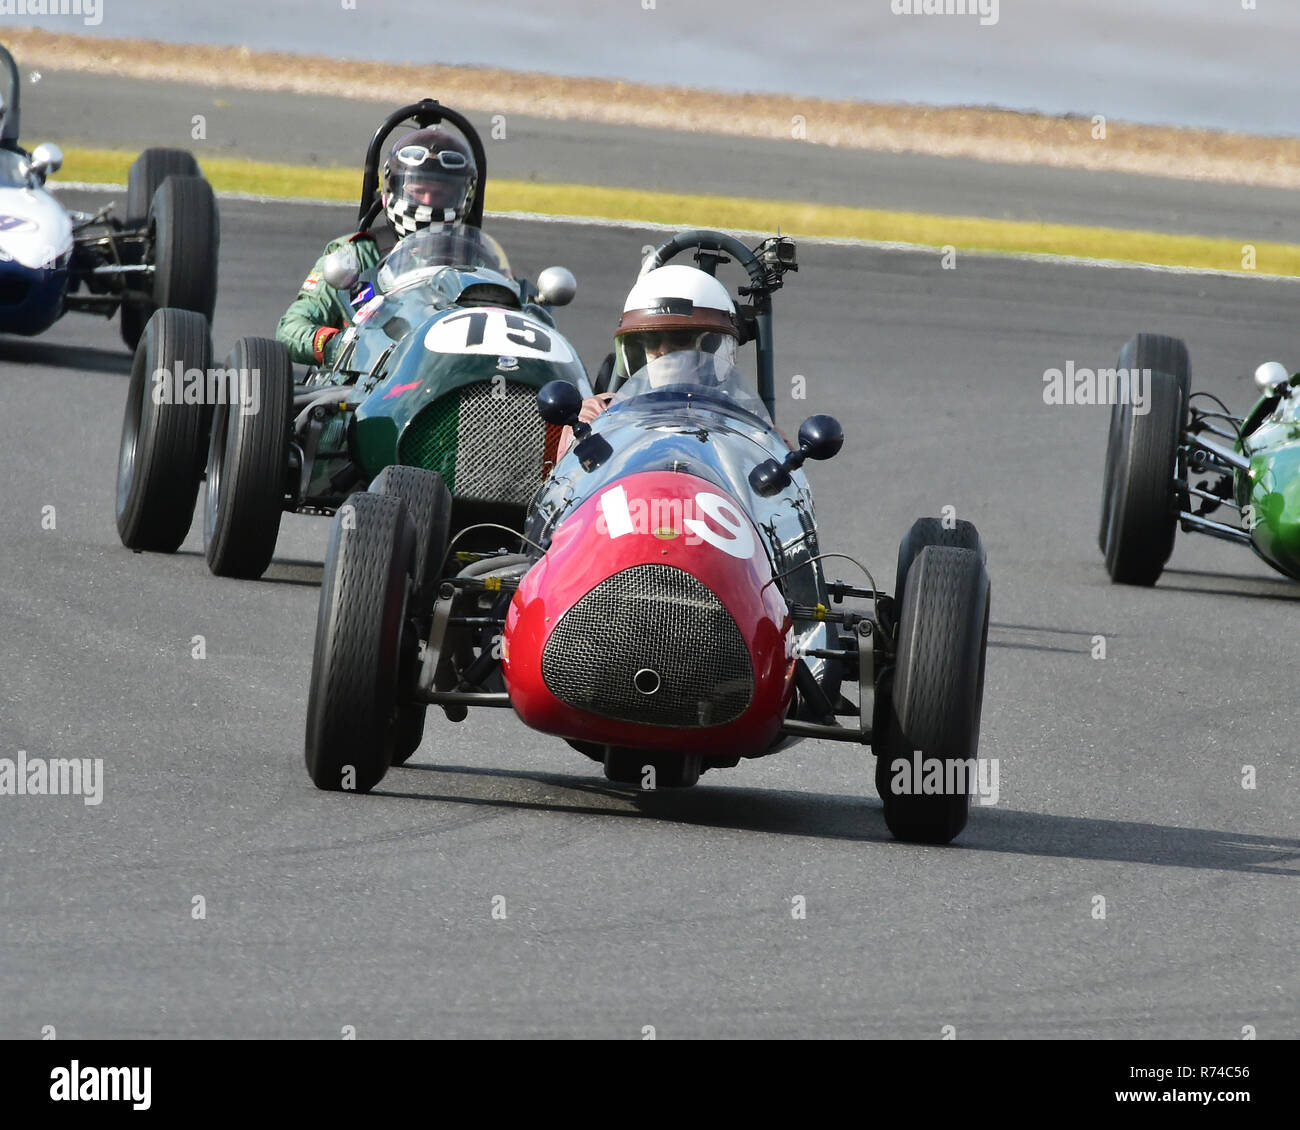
(429, 178)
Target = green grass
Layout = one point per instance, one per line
(965, 233)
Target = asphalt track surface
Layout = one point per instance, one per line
(105, 111)
(1119, 777)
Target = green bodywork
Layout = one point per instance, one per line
(435, 386)
(1271, 488)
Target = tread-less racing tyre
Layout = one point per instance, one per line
(356, 664)
(428, 502)
(933, 531)
(187, 239)
(934, 705)
(148, 171)
(160, 455)
(248, 460)
(1140, 503)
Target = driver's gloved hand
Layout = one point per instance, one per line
(326, 345)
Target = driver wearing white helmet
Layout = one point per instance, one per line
(670, 309)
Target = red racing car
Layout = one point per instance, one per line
(665, 609)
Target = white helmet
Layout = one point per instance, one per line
(675, 308)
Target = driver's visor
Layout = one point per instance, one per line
(440, 191)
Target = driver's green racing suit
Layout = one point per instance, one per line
(311, 325)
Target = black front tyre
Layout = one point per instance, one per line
(1140, 502)
(160, 455)
(936, 699)
(248, 460)
(357, 661)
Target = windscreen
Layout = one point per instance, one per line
(690, 377)
(12, 170)
(425, 251)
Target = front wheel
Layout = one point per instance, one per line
(1140, 501)
(163, 434)
(929, 729)
(353, 702)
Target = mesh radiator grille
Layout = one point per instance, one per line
(658, 626)
(489, 448)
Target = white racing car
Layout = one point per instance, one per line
(162, 253)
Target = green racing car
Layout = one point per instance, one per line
(1181, 456)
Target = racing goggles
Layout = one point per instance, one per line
(416, 155)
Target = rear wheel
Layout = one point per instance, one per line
(356, 665)
(1140, 503)
(428, 501)
(933, 531)
(928, 727)
(186, 239)
(148, 171)
(248, 459)
(160, 455)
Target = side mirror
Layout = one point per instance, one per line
(342, 269)
(820, 437)
(559, 403)
(556, 286)
(47, 159)
(1270, 375)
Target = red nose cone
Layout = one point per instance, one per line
(650, 623)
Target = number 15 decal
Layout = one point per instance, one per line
(496, 332)
(736, 536)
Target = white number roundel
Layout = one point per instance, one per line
(738, 538)
(501, 333)
(735, 538)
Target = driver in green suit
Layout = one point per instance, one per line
(429, 178)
